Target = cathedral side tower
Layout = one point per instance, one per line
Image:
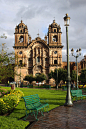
(21, 35)
(54, 34)
(55, 46)
(20, 47)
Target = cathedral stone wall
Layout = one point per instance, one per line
(37, 56)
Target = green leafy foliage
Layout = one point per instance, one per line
(9, 101)
(62, 74)
(41, 77)
(6, 64)
(29, 78)
(83, 76)
(3, 91)
(73, 75)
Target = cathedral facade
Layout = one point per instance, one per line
(38, 55)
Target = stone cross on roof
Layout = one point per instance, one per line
(38, 34)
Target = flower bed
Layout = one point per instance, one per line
(84, 86)
(9, 101)
(3, 92)
(81, 86)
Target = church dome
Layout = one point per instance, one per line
(54, 24)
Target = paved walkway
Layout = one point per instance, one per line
(63, 118)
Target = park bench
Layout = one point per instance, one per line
(34, 105)
(47, 86)
(76, 94)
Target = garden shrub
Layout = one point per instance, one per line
(3, 91)
(9, 101)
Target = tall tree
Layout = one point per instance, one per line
(41, 77)
(73, 75)
(29, 78)
(62, 74)
(6, 64)
(83, 76)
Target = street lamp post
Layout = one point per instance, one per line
(78, 54)
(68, 96)
(57, 79)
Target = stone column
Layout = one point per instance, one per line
(23, 60)
(37, 50)
(26, 61)
(40, 52)
(36, 60)
(24, 39)
(40, 55)
(17, 39)
(33, 58)
(33, 52)
(60, 37)
(58, 59)
(43, 59)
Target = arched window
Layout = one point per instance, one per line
(54, 30)
(38, 59)
(55, 61)
(55, 38)
(55, 52)
(21, 39)
(29, 59)
(46, 59)
(20, 52)
(20, 62)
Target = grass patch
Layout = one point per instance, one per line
(55, 99)
(12, 123)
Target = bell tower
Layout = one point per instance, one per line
(21, 35)
(55, 46)
(54, 34)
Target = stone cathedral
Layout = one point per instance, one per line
(38, 55)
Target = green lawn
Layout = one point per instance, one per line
(55, 98)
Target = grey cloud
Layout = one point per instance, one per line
(38, 14)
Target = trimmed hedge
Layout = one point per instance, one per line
(9, 101)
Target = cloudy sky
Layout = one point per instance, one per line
(38, 14)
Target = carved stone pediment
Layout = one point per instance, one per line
(38, 38)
